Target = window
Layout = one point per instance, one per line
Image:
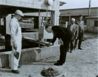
(96, 23)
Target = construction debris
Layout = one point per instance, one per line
(50, 72)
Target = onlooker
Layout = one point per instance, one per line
(74, 28)
(16, 41)
(81, 23)
(65, 35)
(81, 31)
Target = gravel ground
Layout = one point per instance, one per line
(80, 63)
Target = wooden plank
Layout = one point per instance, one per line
(5, 52)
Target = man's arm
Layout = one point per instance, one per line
(13, 28)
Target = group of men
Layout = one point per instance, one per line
(69, 36)
(77, 29)
(62, 33)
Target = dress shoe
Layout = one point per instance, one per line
(15, 71)
(58, 61)
(80, 48)
(58, 64)
(19, 66)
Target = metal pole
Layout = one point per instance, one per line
(89, 9)
(39, 34)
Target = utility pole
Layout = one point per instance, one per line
(89, 9)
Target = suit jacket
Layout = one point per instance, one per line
(62, 33)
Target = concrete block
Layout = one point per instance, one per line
(31, 55)
(4, 61)
(36, 54)
(49, 51)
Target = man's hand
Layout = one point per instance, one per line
(49, 40)
(49, 44)
(16, 54)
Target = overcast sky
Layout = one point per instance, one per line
(78, 4)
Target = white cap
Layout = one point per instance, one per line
(73, 19)
(50, 2)
(19, 12)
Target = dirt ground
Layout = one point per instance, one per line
(79, 63)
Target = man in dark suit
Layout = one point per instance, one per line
(65, 35)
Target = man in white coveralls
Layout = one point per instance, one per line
(16, 41)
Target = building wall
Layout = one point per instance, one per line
(81, 11)
(38, 4)
(91, 27)
(66, 15)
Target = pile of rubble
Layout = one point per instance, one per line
(50, 72)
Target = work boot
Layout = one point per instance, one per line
(80, 48)
(15, 71)
(19, 66)
(58, 61)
